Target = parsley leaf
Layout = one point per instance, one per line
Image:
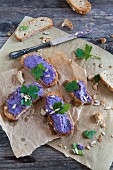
(63, 107)
(89, 134)
(71, 86)
(26, 103)
(32, 90)
(23, 89)
(76, 150)
(85, 53)
(97, 78)
(23, 28)
(57, 105)
(38, 71)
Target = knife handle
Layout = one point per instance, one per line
(16, 54)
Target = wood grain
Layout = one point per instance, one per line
(99, 20)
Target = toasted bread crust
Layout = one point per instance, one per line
(104, 82)
(36, 31)
(22, 63)
(51, 121)
(80, 10)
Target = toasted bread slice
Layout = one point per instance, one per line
(80, 6)
(77, 100)
(51, 122)
(11, 115)
(107, 78)
(32, 27)
(22, 63)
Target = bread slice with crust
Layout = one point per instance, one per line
(80, 6)
(10, 115)
(22, 63)
(29, 28)
(50, 120)
(107, 78)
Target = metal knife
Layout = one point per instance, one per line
(16, 54)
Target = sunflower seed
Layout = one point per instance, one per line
(14, 106)
(46, 33)
(46, 70)
(56, 110)
(107, 108)
(93, 143)
(47, 76)
(50, 106)
(43, 113)
(52, 112)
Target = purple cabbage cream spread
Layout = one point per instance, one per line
(49, 73)
(14, 101)
(82, 94)
(62, 123)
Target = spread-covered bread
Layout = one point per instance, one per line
(40, 69)
(57, 112)
(78, 91)
(21, 99)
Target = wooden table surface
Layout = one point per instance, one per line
(100, 20)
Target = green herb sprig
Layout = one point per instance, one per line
(38, 71)
(23, 28)
(86, 53)
(97, 78)
(89, 134)
(63, 107)
(71, 86)
(76, 150)
(31, 92)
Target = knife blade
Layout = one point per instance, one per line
(16, 54)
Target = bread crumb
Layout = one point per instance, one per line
(43, 113)
(20, 77)
(88, 147)
(60, 145)
(67, 23)
(100, 65)
(100, 139)
(95, 87)
(93, 143)
(110, 66)
(107, 108)
(94, 97)
(9, 34)
(65, 147)
(103, 40)
(98, 117)
(103, 125)
(90, 77)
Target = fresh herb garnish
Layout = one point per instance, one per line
(77, 150)
(30, 92)
(97, 78)
(85, 53)
(63, 107)
(38, 71)
(23, 28)
(89, 134)
(71, 86)
(26, 103)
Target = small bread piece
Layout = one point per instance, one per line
(32, 54)
(80, 6)
(67, 23)
(29, 28)
(51, 120)
(107, 78)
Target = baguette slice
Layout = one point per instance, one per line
(83, 93)
(32, 55)
(32, 27)
(80, 6)
(51, 118)
(107, 78)
(15, 99)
